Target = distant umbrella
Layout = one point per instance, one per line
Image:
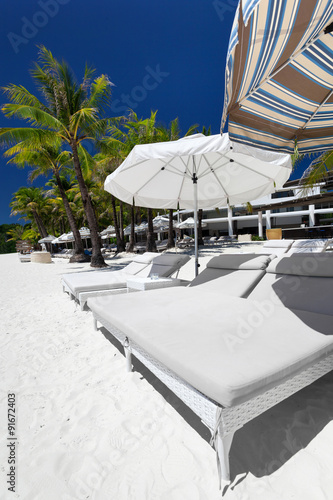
(188, 224)
(47, 239)
(109, 230)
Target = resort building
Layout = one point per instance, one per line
(299, 215)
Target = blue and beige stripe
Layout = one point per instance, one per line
(278, 81)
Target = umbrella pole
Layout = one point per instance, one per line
(195, 189)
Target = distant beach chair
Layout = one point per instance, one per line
(24, 249)
(276, 247)
(226, 240)
(308, 246)
(93, 283)
(230, 358)
(186, 242)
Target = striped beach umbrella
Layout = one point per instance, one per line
(279, 75)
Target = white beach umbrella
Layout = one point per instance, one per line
(127, 230)
(47, 239)
(197, 172)
(189, 223)
(160, 223)
(106, 232)
(84, 232)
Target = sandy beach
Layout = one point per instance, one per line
(86, 429)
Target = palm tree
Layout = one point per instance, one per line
(72, 113)
(106, 162)
(31, 204)
(46, 158)
(15, 233)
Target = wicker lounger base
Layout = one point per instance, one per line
(222, 422)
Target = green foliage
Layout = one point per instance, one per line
(7, 245)
(257, 238)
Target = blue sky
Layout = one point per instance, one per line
(161, 55)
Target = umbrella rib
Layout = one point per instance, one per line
(212, 170)
(315, 113)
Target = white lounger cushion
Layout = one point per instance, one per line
(300, 281)
(276, 247)
(143, 265)
(232, 274)
(165, 265)
(95, 280)
(307, 246)
(229, 350)
(107, 278)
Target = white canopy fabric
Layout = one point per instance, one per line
(188, 223)
(47, 239)
(60, 239)
(160, 175)
(197, 171)
(109, 230)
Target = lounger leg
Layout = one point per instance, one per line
(223, 448)
(95, 324)
(128, 354)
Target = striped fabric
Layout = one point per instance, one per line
(279, 75)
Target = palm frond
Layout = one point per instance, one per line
(20, 95)
(11, 136)
(100, 93)
(85, 116)
(87, 162)
(33, 115)
(317, 171)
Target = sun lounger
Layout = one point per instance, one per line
(276, 247)
(233, 274)
(92, 283)
(65, 253)
(230, 358)
(307, 246)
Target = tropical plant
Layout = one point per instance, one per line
(319, 170)
(46, 158)
(15, 233)
(31, 204)
(72, 113)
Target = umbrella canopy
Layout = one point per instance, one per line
(279, 75)
(127, 230)
(47, 239)
(109, 230)
(60, 239)
(84, 232)
(160, 224)
(188, 224)
(197, 172)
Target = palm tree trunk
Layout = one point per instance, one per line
(171, 241)
(79, 255)
(121, 221)
(132, 235)
(151, 244)
(120, 240)
(40, 224)
(97, 259)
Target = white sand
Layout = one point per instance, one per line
(86, 429)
